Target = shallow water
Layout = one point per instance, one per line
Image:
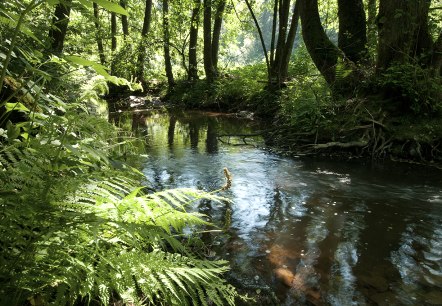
(302, 231)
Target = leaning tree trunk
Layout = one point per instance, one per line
(166, 44)
(141, 52)
(403, 32)
(322, 51)
(352, 37)
(60, 22)
(261, 38)
(98, 34)
(217, 33)
(193, 40)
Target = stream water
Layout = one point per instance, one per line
(303, 231)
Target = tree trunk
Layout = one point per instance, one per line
(403, 32)
(261, 38)
(113, 32)
(124, 21)
(284, 9)
(98, 34)
(371, 26)
(60, 22)
(207, 34)
(352, 37)
(322, 51)
(285, 60)
(113, 40)
(274, 24)
(193, 40)
(166, 44)
(217, 33)
(144, 32)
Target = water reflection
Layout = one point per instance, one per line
(311, 232)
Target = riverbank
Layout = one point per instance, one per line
(313, 122)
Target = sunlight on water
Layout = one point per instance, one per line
(312, 232)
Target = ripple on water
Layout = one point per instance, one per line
(337, 233)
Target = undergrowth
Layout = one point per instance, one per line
(76, 228)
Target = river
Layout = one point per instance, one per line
(304, 231)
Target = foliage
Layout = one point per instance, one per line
(75, 226)
(236, 89)
(307, 95)
(415, 87)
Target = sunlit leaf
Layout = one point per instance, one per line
(111, 7)
(16, 106)
(53, 2)
(100, 69)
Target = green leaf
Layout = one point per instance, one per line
(16, 106)
(112, 7)
(53, 2)
(13, 131)
(23, 28)
(100, 69)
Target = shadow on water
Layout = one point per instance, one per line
(304, 232)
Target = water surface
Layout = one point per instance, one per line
(302, 231)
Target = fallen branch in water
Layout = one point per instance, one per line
(242, 136)
(340, 144)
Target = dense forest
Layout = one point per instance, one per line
(352, 78)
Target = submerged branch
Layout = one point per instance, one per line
(339, 144)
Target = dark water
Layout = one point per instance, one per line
(305, 232)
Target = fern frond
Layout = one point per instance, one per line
(75, 229)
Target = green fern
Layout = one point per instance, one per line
(73, 228)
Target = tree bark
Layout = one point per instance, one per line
(371, 26)
(284, 9)
(274, 24)
(98, 34)
(113, 32)
(60, 22)
(207, 34)
(403, 32)
(217, 33)
(193, 40)
(144, 32)
(352, 37)
(113, 40)
(166, 44)
(290, 42)
(124, 21)
(322, 51)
